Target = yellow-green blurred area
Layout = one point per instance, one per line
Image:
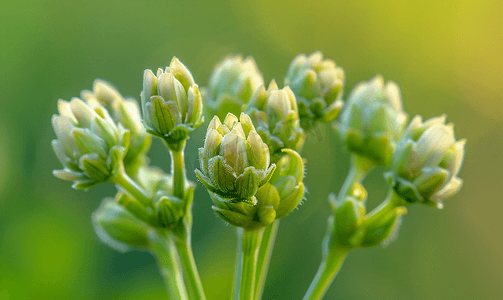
(445, 55)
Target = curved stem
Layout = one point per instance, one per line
(169, 267)
(358, 169)
(391, 202)
(194, 285)
(264, 257)
(327, 271)
(251, 244)
(132, 188)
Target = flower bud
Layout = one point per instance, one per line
(287, 180)
(171, 102)
(125, 112)
(274, 200)
(348, 214)
(168, 210)
(232, 83)
(373, 120)
(317, 83)
(90, 146)
(234, 160)
(382, 231)
(118, 228)
(426, 162)
(275, 114)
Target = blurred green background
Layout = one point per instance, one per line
(445, 55)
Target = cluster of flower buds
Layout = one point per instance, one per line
(234, 161)
(275, 115)
(171, 103)
(125, 112)
(318, 85)
(231, 85)
(426, 162)
(274, 200)
(373, 120)
(90, 145)
(351, 227)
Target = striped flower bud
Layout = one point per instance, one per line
(171, 102)
(89, 145)
(317, 83)
(125, 112)
(232, 83)
(234, 160)
(373, 120)
(427, 161)
(275, 114)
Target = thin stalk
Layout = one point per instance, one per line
(391, 202)
(251, 244)
(193, 281)
(327, 271)
(238, 266)
(264, 257)
(169, 268)
(335, 254)
(358, 169)
(177, 168)
(132, 188)
(183, 242)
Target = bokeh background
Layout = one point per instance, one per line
(445, 55)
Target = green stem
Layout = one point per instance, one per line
(264, 257)
(169, 266)
(391, 202)
(334, 254)
(194, 285)
(177, 167)
(358, 169)
(238, 266)
(327, 271)
(251, 244)
(132, 188)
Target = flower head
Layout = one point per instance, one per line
(171, 102)
(124, 111)
(232, 83)
(89, 145)
(317, 83)
(373, 120)
(275, 114)
(427, 161)
(234, 160)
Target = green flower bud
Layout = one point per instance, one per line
(382, 231)
(348, 214)
(426, 162)
(274, 200)
(275, 114)
(287, 180)
(169, 210)
(234, 160)
(90, 146)
(125, 112)
(317, 83)
(171, 102)
(118, 228)
(232, 83)
(373, 120)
